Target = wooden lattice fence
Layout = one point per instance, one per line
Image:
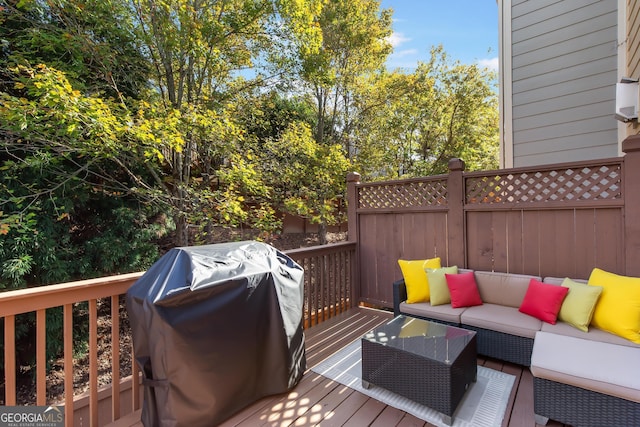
(554, 220)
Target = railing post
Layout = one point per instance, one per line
(455, 217)
(353, 178)
(631, 180)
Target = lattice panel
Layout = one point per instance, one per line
(403, 195)
(568, 185)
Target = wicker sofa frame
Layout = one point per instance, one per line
(561, 402)
(579, 407)
(498, 345)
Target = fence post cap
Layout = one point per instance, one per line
(631, 144)
(353, 177)
(456, 164)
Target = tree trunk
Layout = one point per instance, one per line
(322, 233)
(182, 230)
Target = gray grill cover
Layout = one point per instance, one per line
(216, 328)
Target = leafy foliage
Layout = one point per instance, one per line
(141, 104)
(123, 121)
(139, 107)
(411, 124)
(92, 42)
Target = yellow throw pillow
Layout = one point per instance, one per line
(618, 309)
(577, 307)
(415, 278)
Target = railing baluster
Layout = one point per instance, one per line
(10, 360)
(332, 279)
(93, 362)
(68, 364)
(312, 291)
(317, 261)
(322, 306)
(41, 357)
(115, 357)
(341, 283)
(135, 381)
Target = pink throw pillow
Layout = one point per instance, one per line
(543, 301)
(463, 289)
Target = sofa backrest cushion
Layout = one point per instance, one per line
(559, 280)
(618, 309)
(595, 334)
(503, 288)
(415, 278)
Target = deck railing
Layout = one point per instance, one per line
(328, 280)
(329, 290)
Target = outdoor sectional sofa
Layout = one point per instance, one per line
(580, 378)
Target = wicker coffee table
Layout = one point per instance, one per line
(427, 362)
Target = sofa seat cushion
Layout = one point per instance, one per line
(594, 334)
(501, 319)
(503, 288)
(597, 366)
(445, 312)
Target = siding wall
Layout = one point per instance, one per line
(564, 68)
(633, 38)
(633, 50)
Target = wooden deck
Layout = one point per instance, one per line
(318, 401)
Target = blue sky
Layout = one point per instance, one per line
(468, 30)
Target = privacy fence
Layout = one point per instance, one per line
(556, 220)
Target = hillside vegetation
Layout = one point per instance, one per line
(130, 126)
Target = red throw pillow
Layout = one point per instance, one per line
(543, 301)
(463, 289)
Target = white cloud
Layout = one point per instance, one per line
(490, 63)
(396, 39)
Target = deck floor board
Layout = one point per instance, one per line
(318, 401)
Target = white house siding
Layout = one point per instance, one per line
(564, 70)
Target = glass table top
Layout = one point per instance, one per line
(424, 338)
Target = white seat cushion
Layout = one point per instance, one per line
(593, 365)
(444, 312)
(501, 319)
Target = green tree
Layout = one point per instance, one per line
(411, 124)
(384, 105)
(298, 175)
(61, 184)
(165, 145)
(307, 177)
(66, 207)
(354, 45)
(91, 41)
(461, 117)
(195, 48)
(312, 176)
